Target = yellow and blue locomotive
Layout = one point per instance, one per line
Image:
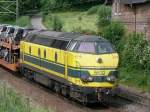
(83, 67)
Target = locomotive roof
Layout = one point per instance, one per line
(65, 36)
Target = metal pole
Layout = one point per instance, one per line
(17, 10)
(135, 19)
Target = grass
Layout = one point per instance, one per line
(7, 22)
(10, 101)
(74, 20)
(23, 21)
(135, 78)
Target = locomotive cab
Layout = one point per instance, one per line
(92, 63)
(96, 60)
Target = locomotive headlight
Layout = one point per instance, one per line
(111, 78)
(86, 78)
(90, 79)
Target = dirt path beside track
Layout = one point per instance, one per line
(36, 22)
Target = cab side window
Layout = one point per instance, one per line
(56, 44)
(60, 44)
(64, 45)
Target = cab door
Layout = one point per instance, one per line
(60, 56)
(64, 57)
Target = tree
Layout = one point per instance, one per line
(104, 17)
(57, 23)
(27, 6)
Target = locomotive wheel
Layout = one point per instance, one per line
(65, 91)
(28, 74)
(51, 84)
(84, 98)
(57, 87)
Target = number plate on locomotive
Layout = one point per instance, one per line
(99, 73)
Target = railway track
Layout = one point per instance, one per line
(135, 98)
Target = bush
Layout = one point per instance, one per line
(115, 34)
(146, 58)
(93, 10)
(136, 54)
(56, 23)
(44, 14)
(24, 21)
(104, 17)
(83, 31)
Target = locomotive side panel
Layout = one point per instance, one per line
(49, 61)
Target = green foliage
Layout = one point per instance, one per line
(80, 18)
(115, 32)
(135, 58)
(83, 31)
(146, 58)
(61, 4)
(93, 10)
(104, 17)
(57, 24)
(135, 78)
(10, 101)
(54, 22)
(73, 21)
(136, 52)
(29, 6)
(44, 15)
(7, 18)
(48, 4)
(23, 21)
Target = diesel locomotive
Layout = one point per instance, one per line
(83, 67)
